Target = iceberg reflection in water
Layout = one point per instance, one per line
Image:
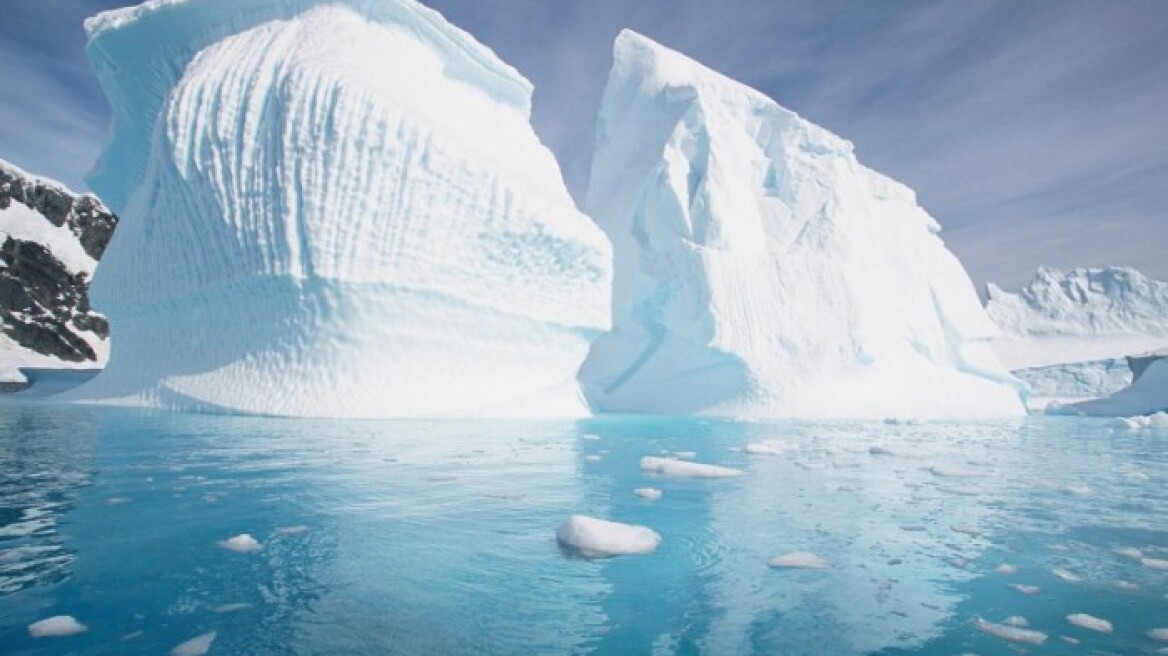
(375, 537)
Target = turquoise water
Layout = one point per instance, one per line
(438, 537)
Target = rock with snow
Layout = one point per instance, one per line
(762, 271)
(599, 538)
(1080, 315)
(686, 469)
(334, 208)
(799, 560)
(50, 242)
(56, 627)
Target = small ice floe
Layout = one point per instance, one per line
(1128, 552)
(1028, 590)
(1011, 633)
(197, 646)
(953, 471)
(1159, 634)
(292, 530)
(769, 448)
(133, 635)
(599, 538)
(230, 608)
(1090, 622)
(966, 529)
(894, 451)
(56, 627)
(1067, 575)
(685, 469)
(242, 543)
(1154, 563)
(592, 458)
(648, 493)
(1007, 569)
(1058, 547)
(1069, 640)
(590, 436)
(685, 455)
(1127, 586)
(1017, 621)
(117, 501)
(1077, 490)
(799, 560)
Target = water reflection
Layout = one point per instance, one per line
(45, 458)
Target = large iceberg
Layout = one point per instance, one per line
(760, 270)
(333, 209)
(1081, 315)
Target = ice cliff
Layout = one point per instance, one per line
(333, 209)
(760, 270)
(50, 242)
(1078, 316)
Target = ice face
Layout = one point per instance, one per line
(334, 209)
(1148, 395)
(760, 270)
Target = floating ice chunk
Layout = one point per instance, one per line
(650, 493)
(1090, 622)
(1154, 563)
(230, 608)
(1016, 620)
(681, 468)
(598, 538)
(953, 471)
(1069, 640)
(1159, 634)
(1058, 547)
(958, 562)
(589, 436)
(1127, 586)
(242, 543)
(592, 458)
(799, 560)
(133, 635)
(117, 501)
(292, 530)
(1011, 633)
(1067, 575)
(56, 627)
(1028, 590)
(685, 455)
(895, 451)
(1006, 569)
(197, 646)
(769, 448)
(964, 490)
(1129, 552)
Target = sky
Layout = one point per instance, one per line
(1036, 131)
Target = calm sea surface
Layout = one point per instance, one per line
(439, 537)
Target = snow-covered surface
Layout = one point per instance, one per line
(21, 222)
(56, 627)
(1079, 315)
(334, 209)
(685, 469)
(1146, 396)
(762, 271)
(599, 538)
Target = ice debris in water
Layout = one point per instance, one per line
(685, 455)
(1028, 590)
(592, 458)
(599, 538)
(681, 468)
(1067, 575)
(896, 451)
(242, 543)
(230, 608)
(799, 560)
(292, 530)
(197, 646)
(1005, 568)
(1016, 620)
(1158, 634)
(1011, 633)
(650, 493)
(1090, 622)
(769, 448)
(1129, 552)
(952, 471)
(1155, 563)
(56, 627)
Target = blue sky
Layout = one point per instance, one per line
(1036, 132)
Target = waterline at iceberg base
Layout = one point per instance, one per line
(374, 537)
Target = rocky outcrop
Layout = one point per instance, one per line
(44, 293)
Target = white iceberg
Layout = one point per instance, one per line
(1146, 396)
(685, 469)
(599, 538)
(761, 271)
(56, 627)
(334, 208)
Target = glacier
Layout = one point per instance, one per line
(333, 209)
(761, 271)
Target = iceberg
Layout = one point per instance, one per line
(762, 271)
(1147, 395)
(333, 209)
